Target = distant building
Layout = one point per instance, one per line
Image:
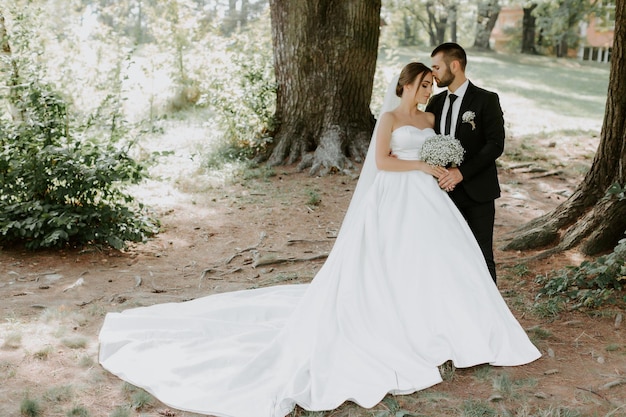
(507, 25)
(596, 34)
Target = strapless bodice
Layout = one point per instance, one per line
(407, 141)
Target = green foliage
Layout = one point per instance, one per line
(12, 341)
(78, 411)
(558, 21)
(618, 191)
(447, 371)
(548, 307)
(63, 173)
(592, 284)
(58, 186)
(58, 394)
(30, 408)
(477, 408)
(314, 198)
(242, 94)
(393, 409)
(120, 412)
(141, 399)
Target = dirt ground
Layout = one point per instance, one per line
(270, 229)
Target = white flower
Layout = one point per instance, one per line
(468, 117)
(442, 150)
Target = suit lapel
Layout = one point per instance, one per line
(438, 102)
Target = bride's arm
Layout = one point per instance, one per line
(386, 162)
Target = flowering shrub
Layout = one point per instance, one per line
(59, 187)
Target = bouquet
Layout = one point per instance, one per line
(442, 150)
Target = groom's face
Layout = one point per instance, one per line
(441, 71)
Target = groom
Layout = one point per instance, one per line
(473, 116)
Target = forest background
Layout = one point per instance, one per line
(178, 97)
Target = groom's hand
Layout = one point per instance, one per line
(450, 179)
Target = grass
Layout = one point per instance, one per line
(447, 371)
(30, 408)
(7, 370)
(75, 342)
(86, 361)
(483, 372)
(511, 388)
(539, 332)
(58, 394)
(613, 347)
(139, 399)
(477, 408)
(257, 172)
(502, 384)
(43, 354)
(78, 411)
(120, 412)
(538, 335)
(12, 341)
(560, 412)
(548, 308)
(314, 198)
(520, 270)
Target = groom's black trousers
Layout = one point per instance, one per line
(480, 217)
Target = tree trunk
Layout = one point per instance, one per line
(436, 27)
(488, 12)
(13, 101)
(324, 58)
(441, 29)
(453, 22)
(231, 19)
(243, 15)
(589, 219)
(561, 48)
(528, 30)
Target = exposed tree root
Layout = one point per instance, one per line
(264, 261)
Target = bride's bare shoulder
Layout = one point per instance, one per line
(388, 117)
(430, 118)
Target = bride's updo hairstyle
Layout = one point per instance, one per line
(409, 73)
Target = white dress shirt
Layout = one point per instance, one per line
(456, 106)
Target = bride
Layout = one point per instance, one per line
(404, 289)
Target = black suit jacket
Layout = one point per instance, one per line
(483, 142)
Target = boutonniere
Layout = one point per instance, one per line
(468, 117)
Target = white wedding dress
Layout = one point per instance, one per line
(404, 289)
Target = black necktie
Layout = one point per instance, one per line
(452, 97)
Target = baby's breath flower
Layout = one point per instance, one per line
(442, 150)
(468, 117)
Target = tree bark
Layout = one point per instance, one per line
(488, 12)
(243, 15)
(437, 22)
(324, 58)
(453, 22)
(528, 30)
(589, 219)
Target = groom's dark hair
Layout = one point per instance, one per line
(451, 52)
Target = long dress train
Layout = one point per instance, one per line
(404, 289)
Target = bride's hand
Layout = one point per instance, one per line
(434, 170)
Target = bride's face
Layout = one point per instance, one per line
(424, 89)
